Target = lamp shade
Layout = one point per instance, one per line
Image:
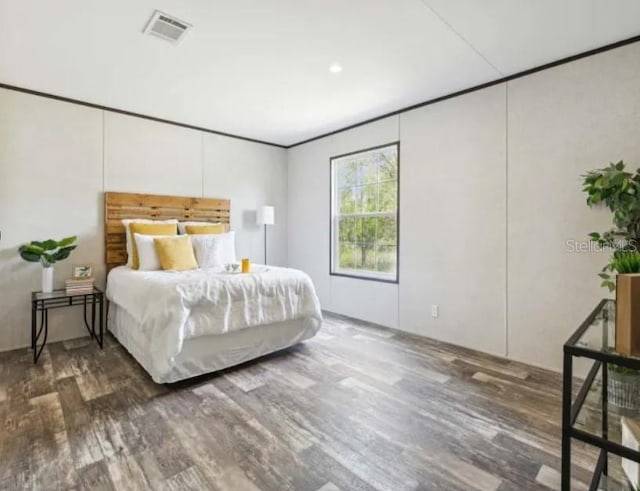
(266, 215)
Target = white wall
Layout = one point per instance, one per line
(50, 183)
(452, 224)
(490, 194)
(309, 218)
(308, 215)
(251, 175)
(56, 159)
(142, 156)
(562, 123)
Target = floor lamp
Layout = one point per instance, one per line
(266, 216)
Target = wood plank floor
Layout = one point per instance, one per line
(356, 408)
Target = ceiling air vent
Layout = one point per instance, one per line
(166, 27)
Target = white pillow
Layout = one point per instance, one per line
(127, 230)
(147, 255)
(209, 250)
(228, 246)
(182, 225)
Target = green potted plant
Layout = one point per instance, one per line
(619, 191)
(47, 253)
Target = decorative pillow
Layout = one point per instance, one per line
(209, 250)
(148, 229)
(148, 259)
(129, 237)
(182, 225)
(176, 253)
(204, 229)
(228, 247)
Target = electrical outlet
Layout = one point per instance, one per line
(435, 311)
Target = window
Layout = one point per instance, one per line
(364, 214)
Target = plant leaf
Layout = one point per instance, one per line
(33, 248)
(67, 241)
(49, 245)
(63, 253)
(30, 256)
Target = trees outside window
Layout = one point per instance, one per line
(364, 202)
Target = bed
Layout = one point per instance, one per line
(178, 325)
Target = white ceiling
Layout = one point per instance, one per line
(259, 68)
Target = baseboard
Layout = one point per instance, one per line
(444, 343)
(49, 341)
(360, 321)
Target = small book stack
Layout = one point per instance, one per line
(79, 286)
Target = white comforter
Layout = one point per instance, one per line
(175, 307)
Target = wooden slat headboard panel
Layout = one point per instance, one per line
(118, 206)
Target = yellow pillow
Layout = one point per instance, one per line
(148, 229)
(204, 229)
(175, 254)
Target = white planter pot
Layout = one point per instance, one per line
(47, 279)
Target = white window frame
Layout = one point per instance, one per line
(334, 270)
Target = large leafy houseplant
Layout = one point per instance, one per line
(47, 252)
(619, 191)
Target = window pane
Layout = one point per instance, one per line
(387, 165)
(348, 201)
(368, 256)
(386, 259)
(348, 230)
(387, 196)
(368, 196)
(368, 243)
(357, 255)
(368, 172)
(347, 173)
(387, 231)
(363, 256)
(347, 256)
(369, 226)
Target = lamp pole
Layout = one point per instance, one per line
(265, 216)
(265, 243)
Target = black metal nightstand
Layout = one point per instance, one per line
(42, 302)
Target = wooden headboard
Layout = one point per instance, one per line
(118, 206)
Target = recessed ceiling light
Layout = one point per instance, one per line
(335, 68)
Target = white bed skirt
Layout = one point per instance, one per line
(208, 353)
